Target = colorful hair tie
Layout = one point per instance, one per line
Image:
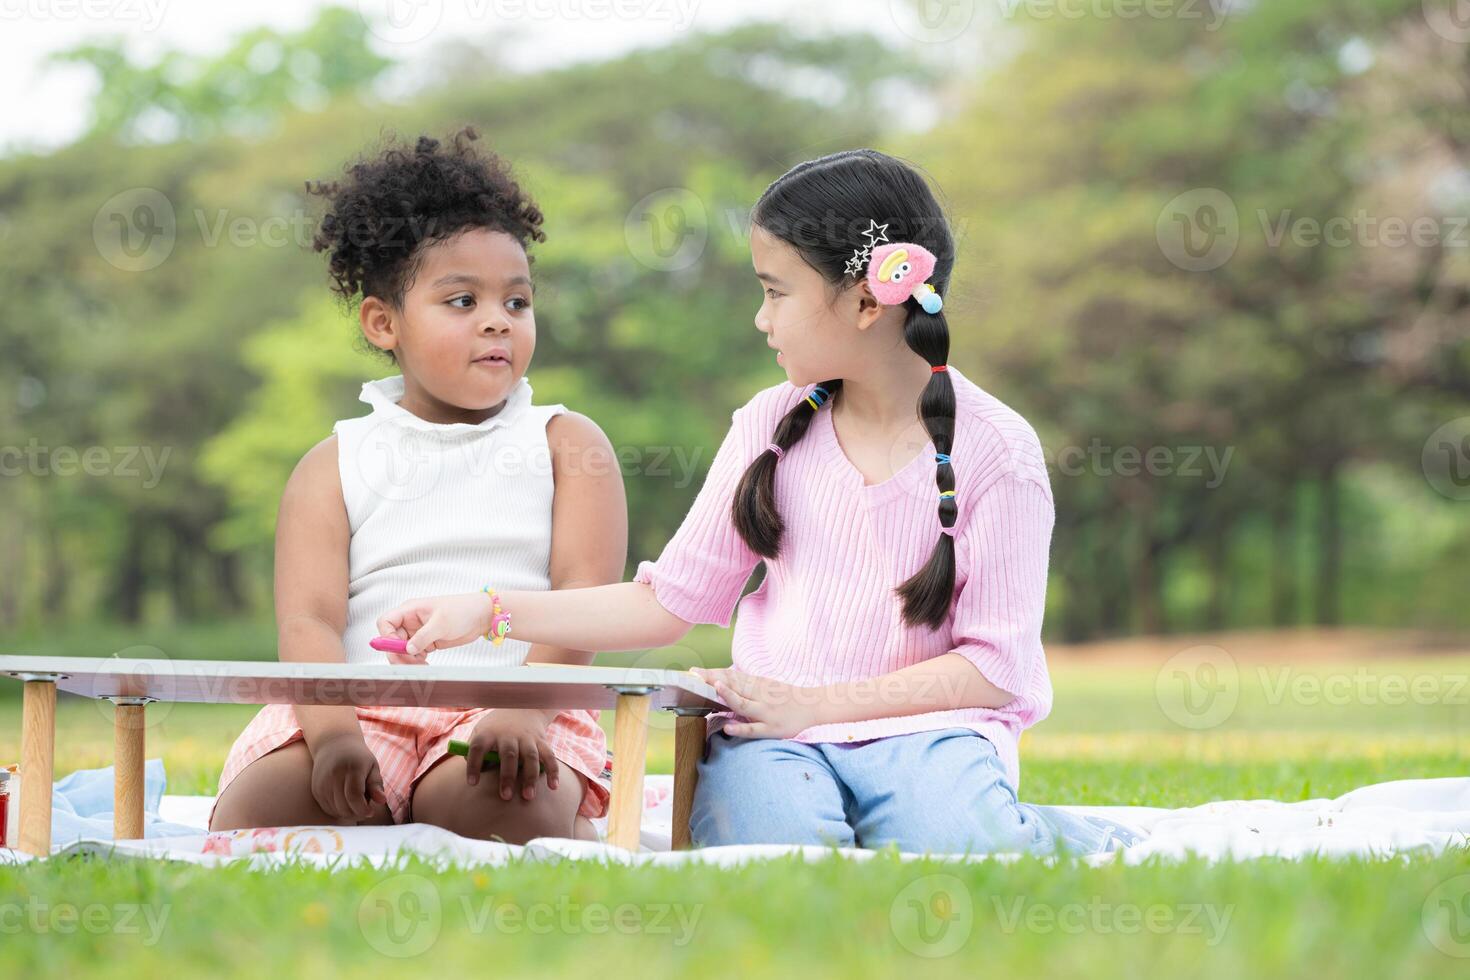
(946, 530)
(940, 368)
(780, 453)
(815, 400)
(941, 457)
(946, 493)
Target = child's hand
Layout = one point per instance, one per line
(345, 780)
(774, 708)
(519, 736)
(436, 623)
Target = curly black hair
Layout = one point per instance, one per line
(390, 206)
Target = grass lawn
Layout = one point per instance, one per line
(1116, 735)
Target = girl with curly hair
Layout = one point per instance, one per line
(454, 475)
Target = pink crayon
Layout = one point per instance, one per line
(389, 644)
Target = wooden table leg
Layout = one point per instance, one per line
(630, 758)
(688, 747)
(127, 768)
(37, 766)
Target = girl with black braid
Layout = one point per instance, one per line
(884, 669)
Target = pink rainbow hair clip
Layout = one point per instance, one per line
(899, 270)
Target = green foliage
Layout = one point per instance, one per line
(1320, 370)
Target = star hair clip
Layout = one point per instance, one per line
(876, 235)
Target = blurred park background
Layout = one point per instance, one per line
(1214, 251)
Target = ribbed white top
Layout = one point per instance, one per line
(443, 508)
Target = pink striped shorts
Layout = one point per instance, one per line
(409, 741)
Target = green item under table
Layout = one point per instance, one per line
(492, 758)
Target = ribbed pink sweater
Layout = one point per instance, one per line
(826, 611)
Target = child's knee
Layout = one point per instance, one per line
(480, 812)
(763, 791)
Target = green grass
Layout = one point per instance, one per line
(1115, 736)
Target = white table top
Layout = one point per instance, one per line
(385, 685)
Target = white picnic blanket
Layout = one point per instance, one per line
(1411, 816)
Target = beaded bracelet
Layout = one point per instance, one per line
(499, 620)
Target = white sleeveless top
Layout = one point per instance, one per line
(443, 508)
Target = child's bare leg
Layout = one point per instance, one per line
(275, 791)
(443, 798)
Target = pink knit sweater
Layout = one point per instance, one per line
(826, 612)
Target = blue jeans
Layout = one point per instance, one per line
(943, 791)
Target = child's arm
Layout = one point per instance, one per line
(312, 537)
(626, 616)
(589, 536)
(699, 576)
(780, 710)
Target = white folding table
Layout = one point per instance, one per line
(131, 684)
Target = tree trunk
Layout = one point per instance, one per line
(56, 577)
(1283, 558)
(1218, 556)
(128, 575)
(1147, 604)
(1329, 547)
